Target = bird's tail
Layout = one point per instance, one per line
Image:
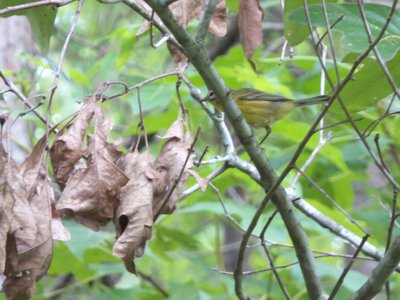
(314, 100)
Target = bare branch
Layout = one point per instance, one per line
(56, 3)
(381, 273)
(347, 269)
(205, 20)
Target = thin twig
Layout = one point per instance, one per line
(198, 163)
(205, 20)
(56, 3)
(61, 59)
(275, 272)
(181, 106)
(142, 83)
(343, 83)
(142, 125)
(378, 148)
(270, 219)
(21, 96)
(270, 259)
(238, 272)
(381, 273)
(172, 189)
(382, 64)
(347, 269)
(392, 220)
(333, 202)
(321, 143)
(209, 177)
(154, 283)
(250, 273)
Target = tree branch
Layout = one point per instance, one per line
(57, 3)
(198, 56)
(380, 274)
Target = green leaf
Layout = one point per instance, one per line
(79, 77)
(41, 20)
(354, 37)
(369, 85)
(295, 33)
(65, 262)
(83, 238)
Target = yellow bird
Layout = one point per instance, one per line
(261, 109)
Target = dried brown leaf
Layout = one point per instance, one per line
(250, 25)
(175, 160)
(134, 215)
(7, 172)
(32, 209)
(176, 130)
(177, 55)
(29, 240)
(23, 269)
(219, 22)
(89, 192)
(186, 11)
(202, 182)
(58, 230)
(68, 147)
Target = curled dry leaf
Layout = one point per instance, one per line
(172, 165)
(219, 22)
(90, 191)
(68, 147)
(23, 269)
(250, 25)
(177, 55)
(29, 241)
(60, 233)
(134, 215)
(7, 172)
(188, 10)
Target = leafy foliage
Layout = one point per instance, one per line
(119, 178)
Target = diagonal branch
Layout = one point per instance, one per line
(198, 56)
(380, 274)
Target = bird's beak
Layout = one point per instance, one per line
(205, 99)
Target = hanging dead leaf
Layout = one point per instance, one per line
(58, 230)
(89, 192)
(174, 159)
(219, 21)
(188, 10)
(7, 172)
(68, 147)
(23, 269)
(250, 25)
(29, 240)
(29, 169)
(134, 215)
(177, 55)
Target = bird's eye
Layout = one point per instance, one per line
(211, 96)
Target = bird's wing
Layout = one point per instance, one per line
(252, 94)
